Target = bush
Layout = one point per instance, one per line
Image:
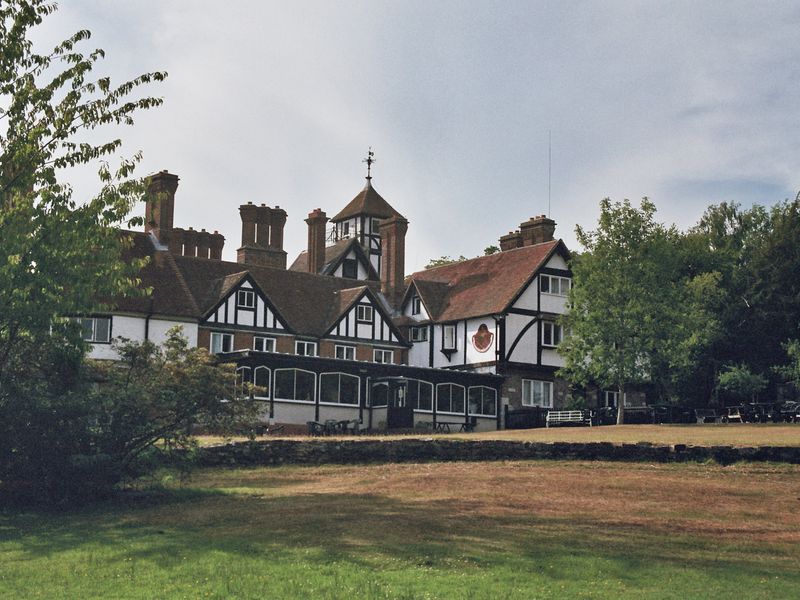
(71, 434)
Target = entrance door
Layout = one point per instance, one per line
(398, 414)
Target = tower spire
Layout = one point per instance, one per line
(369, 160)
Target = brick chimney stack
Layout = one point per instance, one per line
(190, 242)
(262, 236)
(216, 244)
(317, 219)
(248, 213)
(535, 230)
(278, 217)
(510, 241)
(203, 243)
(263, 223)
(393, 249)
(160, 204)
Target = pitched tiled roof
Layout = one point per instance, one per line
(188, 287)
(169, 296)
(333, 256)
(481, 286)
(367, 202)
(304, 301)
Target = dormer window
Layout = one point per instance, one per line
(416, 305)
(245, 299)
(364, 313)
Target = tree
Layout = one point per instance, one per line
(791, 371)
(57, 257)
(631, 317)
(741, 383)
(443, 260)
(754, 253)
(77, 438)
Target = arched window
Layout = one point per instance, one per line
(261, 381)
(482, 401)
(243, 380)
(295, 384)
(420, 394)
(450, 398)
(338, 388)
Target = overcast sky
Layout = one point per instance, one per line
(688, 103)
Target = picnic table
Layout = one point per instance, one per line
(444, 426)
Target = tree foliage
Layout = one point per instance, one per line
(632, 316)
(57, 256)
(741, 383)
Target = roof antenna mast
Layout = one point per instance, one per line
(549, 167)
(369, 160)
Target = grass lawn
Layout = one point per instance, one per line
(446, 530)
(727, 434)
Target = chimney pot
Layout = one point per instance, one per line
(316, 240)
(160, 204)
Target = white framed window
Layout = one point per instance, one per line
(345, 352)
(537, 393)
(450, 398)
(96, 329)
(419, 395)
(305, 348)
(551, 284)
(364, 313)
(245, 299)
(379, 355)
(611, 398)
(419, 334)
(295, 384)
(261, 382)
(482, 401)
(339, 388)
(263, 344)
(416, 305)
(221, 342)
(449, 337)
(552, 334)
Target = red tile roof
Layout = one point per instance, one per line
(481, 286)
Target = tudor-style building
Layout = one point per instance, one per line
(342, 333)
(496, 314)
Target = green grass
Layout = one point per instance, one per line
(448, 530)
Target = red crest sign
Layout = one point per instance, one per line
(483, 338)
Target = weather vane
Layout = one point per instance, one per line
(369, 160)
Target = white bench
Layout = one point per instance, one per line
(559, 417)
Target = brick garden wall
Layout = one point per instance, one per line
(315, 452)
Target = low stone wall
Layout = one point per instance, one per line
(315, 452)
